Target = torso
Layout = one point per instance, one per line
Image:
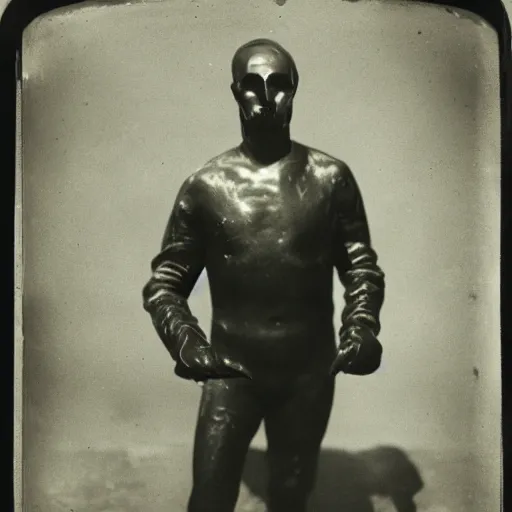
(269, 234)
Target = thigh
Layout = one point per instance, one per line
(229, 417)
(295, 429)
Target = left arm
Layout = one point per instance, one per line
(362, 278)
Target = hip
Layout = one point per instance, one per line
(283, 350)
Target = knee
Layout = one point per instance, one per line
(290, 485)
(290, 473)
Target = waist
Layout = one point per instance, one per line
(277, 345)
(272, 314)
(271, 323)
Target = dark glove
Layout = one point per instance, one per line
(198, 361)
(359, 352)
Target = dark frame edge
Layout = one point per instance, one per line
(20, 13)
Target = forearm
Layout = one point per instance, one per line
(364, 283)
(165, 298)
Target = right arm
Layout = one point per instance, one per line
(175, 271)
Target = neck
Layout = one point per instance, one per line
(266, 146)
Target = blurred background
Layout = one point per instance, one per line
(120, 104)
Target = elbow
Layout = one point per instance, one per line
(380, 275)
(363, 258)
(371, 278)
(148, 291)
(152, 293)
(157, 292)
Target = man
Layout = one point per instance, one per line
(269, 220)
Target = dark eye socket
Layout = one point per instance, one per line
(251, 82)
(280, 81)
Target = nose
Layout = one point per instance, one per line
(271, 93)
(267, 94)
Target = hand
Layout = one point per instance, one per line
(359, 353)
(198, 361)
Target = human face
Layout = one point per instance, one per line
(264, 85)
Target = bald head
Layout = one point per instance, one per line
(263, 57)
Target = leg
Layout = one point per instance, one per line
(295, 430)
(229, 417)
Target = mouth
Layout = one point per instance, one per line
(264, 117)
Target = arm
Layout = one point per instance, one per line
(363, 280)
(175, 271)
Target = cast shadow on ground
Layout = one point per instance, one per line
(347, 480)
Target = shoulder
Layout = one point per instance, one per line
(327, 165)
(212, 171)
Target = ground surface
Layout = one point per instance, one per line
(119, 481)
